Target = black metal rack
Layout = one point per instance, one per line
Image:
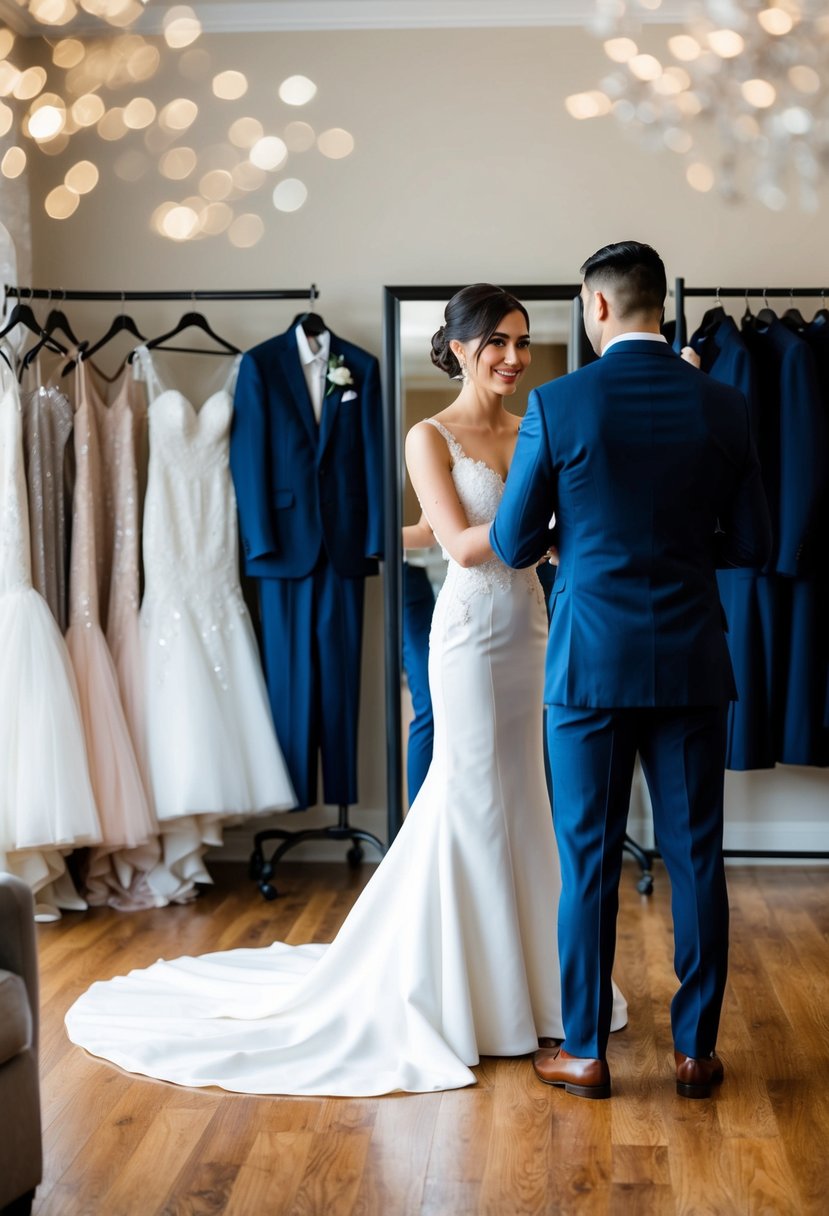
(58, 294)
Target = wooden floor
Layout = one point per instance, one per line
(119, 1146)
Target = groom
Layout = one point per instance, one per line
(650, 469)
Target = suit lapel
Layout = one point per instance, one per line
(295, 379)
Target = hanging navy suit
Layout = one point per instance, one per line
(792, 439)
(310, 511)
(641, 457)
(748, 596)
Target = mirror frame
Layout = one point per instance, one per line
(578, 353)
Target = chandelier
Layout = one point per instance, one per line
(741, 95)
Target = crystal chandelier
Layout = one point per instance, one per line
(741, 94)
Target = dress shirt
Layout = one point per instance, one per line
(314, 365)
(634, 336)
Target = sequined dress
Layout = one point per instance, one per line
(450, 951)
(213, 753)
(46, 800)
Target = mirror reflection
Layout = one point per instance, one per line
(424, 392)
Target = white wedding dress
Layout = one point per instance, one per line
(212, 749)
(450, 951)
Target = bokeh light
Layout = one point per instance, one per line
(181, 27)
(13, 163)
(230, 86)
(246, 230)
(82, 177)
(131, 165)
(29, 83)
(6, 41)
(178, 115)
(216, 185)
(112, 126)
(269, 153)
(139, 113)
(290, 194)
(88, 110)
(248, 177)
(6, 118)
(700, 177)
(46, 117)
(9, 76)
(180, 223)
(61, 202)
(216, 218)
(53, 12)
(299, 136)
(244, 132)
(178, 163)
(336, 143)
(68, 53)
(297, 90)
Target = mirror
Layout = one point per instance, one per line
(415, 389)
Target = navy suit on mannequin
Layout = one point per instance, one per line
(310, 510)
(651, 472)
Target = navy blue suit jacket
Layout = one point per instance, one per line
(651, 471)
(303, 487)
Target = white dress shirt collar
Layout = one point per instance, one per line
(634, 336)
(314, 366)
(306, 355)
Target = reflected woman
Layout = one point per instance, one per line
(450, 952)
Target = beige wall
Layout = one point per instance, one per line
(466, 167)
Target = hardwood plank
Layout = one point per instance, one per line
(394, 1177)
(332, 1175)
(270, 1177)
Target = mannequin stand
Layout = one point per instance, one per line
(261, 870)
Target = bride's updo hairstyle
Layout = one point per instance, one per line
(473, 312)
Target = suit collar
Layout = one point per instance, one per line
(639, 346)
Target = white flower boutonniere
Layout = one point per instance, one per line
(338, 376)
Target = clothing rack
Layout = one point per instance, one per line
(59, 294)
(680, 293)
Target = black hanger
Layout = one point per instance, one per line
(713, 315)
(191, 320)
(22, 314)
(120, 324)
(793, 317)
(822, 314)
(766, 315)
(58, 319)
(748, 315)
(311, 322)
(47, 338)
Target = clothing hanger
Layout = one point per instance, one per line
(47, 338)
(120, 324)
(712, 316)
(793, 317)
(22, 314)
(748, 315)
(766, 315)
(311, 322)
(821, 317)
(191, 320)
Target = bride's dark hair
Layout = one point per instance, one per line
(473, 312)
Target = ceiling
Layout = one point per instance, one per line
(241, 16)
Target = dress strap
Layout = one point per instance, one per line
(455, 448)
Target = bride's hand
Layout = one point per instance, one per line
(550, 556)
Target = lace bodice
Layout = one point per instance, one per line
(480, 489)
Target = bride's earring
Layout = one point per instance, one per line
(464, 376)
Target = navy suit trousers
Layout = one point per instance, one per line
(682, 751)
(418, 607)
(312, 632)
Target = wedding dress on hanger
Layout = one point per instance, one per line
(450, 951)
(47, 806)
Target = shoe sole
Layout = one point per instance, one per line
(580, 1091)
(686, 1090)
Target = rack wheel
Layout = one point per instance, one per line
(354, 856)
(268, 892)
(256, 866)
(645, 885)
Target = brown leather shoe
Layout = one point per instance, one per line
(546, 1041)
(695, 1078)
(585, 1078)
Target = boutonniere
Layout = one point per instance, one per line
(338, 375)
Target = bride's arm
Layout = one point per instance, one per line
(419, 535)
(430, 470)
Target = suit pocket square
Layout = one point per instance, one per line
(349, 396)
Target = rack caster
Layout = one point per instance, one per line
(645, 884)
(354, 856)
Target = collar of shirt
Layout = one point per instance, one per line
(634, 336)
(306, 355)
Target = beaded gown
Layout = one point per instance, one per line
(47, 806)
(213, 753)
(450, 951)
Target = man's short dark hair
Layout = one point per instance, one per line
(634, 272)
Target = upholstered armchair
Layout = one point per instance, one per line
(21, 1158)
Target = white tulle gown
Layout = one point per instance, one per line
(450, 951)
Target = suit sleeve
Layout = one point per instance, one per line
(745, 539)
(802, 456)
(520, 532)
(372, 424)
(249, 449)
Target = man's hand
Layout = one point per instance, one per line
(690, 356)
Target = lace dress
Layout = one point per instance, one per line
(450, 951)
(46, 801)
(213, 753)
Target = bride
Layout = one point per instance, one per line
(450, 951)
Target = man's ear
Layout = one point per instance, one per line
(602, 306)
